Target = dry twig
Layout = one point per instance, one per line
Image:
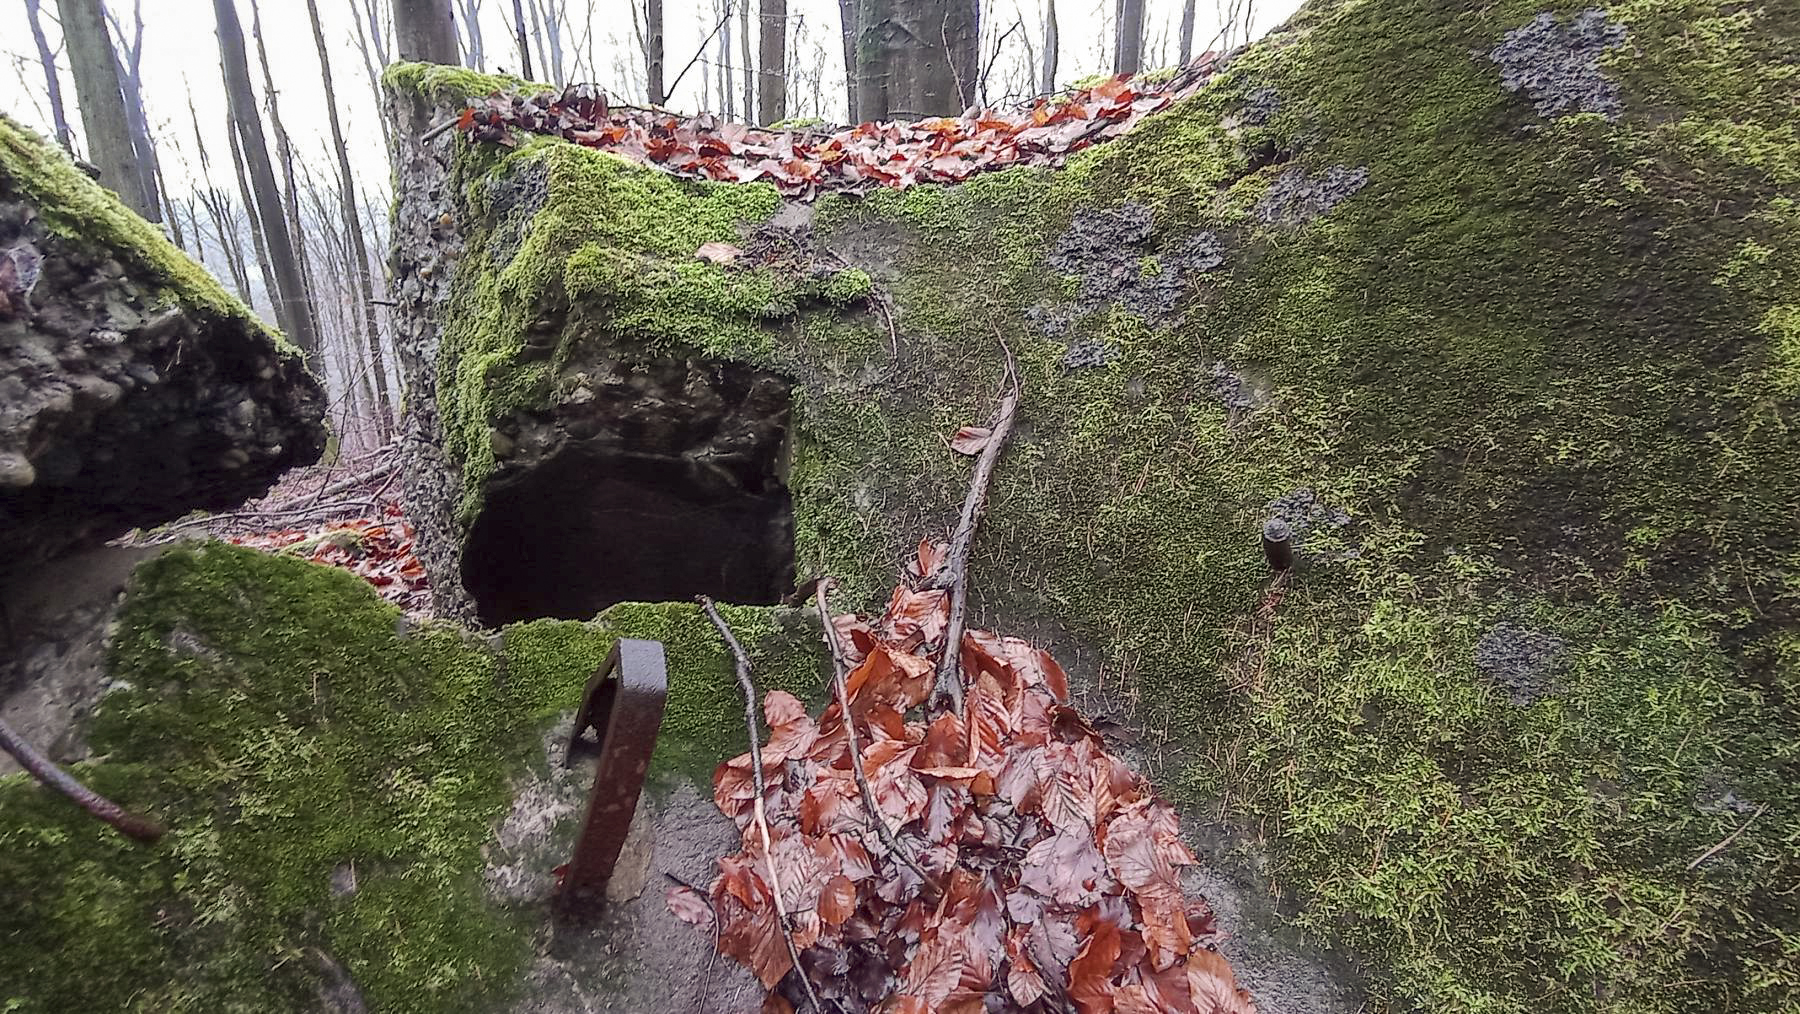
(1733, 836)
(840, 690)
(955, 575)
(44, 770)
(713, 955)
(756, 770)
(351, 482)
(294, 515)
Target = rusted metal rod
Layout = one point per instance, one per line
(623, 703)
(44, 770)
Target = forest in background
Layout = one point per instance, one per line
(284, 198)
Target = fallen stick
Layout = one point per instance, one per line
(756, 770)
(1733, 836)
(840, 690)
(44, 770)
(435, 131)
(955, 575)
(351, 482)
(260, 514)
(705, 976)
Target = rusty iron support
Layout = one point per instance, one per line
(623, 704)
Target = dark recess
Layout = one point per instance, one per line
(594, 525)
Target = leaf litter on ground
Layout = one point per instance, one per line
(377, 549)
(807, 161)
(1054, 869)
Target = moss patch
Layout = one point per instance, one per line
(453, 85)
(294, 731)
(81, 211)
(610, 250)
(1546, 365)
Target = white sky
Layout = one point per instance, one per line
(181, 61)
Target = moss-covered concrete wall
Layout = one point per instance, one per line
(133, 388)
(331, 774)
(1519, 365)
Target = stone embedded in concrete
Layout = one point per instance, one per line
(125, 399)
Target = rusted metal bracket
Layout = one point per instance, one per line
(623, 703)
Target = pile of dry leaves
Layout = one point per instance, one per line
(378, 549)
(1051, 872)
(802, 163)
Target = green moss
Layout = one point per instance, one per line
(278, 721)
(81, 211)
(610, 250)
(292, 729)
(1551, 383)
(454, 85)
(848, 286)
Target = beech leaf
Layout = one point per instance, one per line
(971, 439)
(722, 254)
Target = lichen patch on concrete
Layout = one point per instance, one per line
(1559, 65)
(1521, 661)
(1296, 198)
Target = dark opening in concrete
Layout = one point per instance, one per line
(678, 490)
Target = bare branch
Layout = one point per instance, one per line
(756, 769)
(955, 575)
(122, 820)
(840, 689)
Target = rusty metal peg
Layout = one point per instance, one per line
(623, 703)
(1278, 544)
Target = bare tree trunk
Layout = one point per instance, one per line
(213, 199)
(749, 60)
(218, 209)
(519, 35)
(52, 83)
(706, 78)
(130, 65)
(916, 57)
(537, 37)
(256, 230)
(359, 253)
(372, 67)
(653, 52)
(549, 21)
(193, 228)
(847, 27)
(771, 62)
(170, 218)
(291, 304)
(1128, 55)
(1031, 58)
(772, 74)
(727, 86)
(339, 310)
(476, 57)
(284, 151)
(102, 100)
(587, 44)
(1187, 32)
(424, 29)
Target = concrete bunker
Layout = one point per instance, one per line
(655, 482)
